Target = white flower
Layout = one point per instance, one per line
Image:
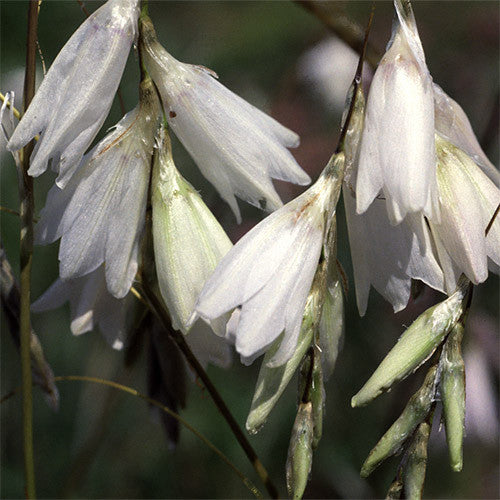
(77, 92)
(269, 273)
(188, 240)
(237, 147)
(91, 305)
(435, 247)
(468, 199)
(387, 257)
(397, 154)
(384, 256)
(99, 215)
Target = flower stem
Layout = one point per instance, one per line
(346, 29)
(129, 390)
(26, 255)
(178, 337)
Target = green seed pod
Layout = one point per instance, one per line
(416, 345)
(414, 473)
(299, 461)
(416, 411)
(453, 395)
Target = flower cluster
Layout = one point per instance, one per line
(98, 206)
(419, 162)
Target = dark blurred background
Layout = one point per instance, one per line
(103, 444)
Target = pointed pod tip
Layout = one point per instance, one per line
(457, 466)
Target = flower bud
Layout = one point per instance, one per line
(416, 344)
(414, 473)
(299, 461)
(188, 240)
(416, 411)
(452, 387)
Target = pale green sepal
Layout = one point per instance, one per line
(416, 344)
(272, 381)
(299, 460)
(189, 242)
(317, 397)
(453, 395)
(331, 326)
(414, 473)
(415, 412)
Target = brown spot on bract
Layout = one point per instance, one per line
(172, 114)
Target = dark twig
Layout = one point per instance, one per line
(340, 24)
(26, 255)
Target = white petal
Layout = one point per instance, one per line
(76, 94)
(387, 256)
(397, 148)
(467, 198)
(452, 124)
(55, 296)
(237, 147)
(207, 347)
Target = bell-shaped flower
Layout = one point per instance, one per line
(397, 155)
(384, 256)
(188, 240)
(468, 200)
(91, 305)
(99, 215)
(77, 92)
(269, 272)
(238, 148)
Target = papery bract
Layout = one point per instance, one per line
(237, 147)
(76, 94)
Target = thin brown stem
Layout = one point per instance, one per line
(26, 255)
(346, 29)
(160, 311)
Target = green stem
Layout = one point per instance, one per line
(154, 402)
(26, 255)
(179, 339)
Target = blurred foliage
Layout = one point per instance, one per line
(254, 47)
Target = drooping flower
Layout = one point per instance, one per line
(188, 240)
(238, 148)
(269, 272)
(77, 92)
(468, 199)
(397, 154)
(91, 305)
(434, 249)
(99, 215)
(383, 255)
